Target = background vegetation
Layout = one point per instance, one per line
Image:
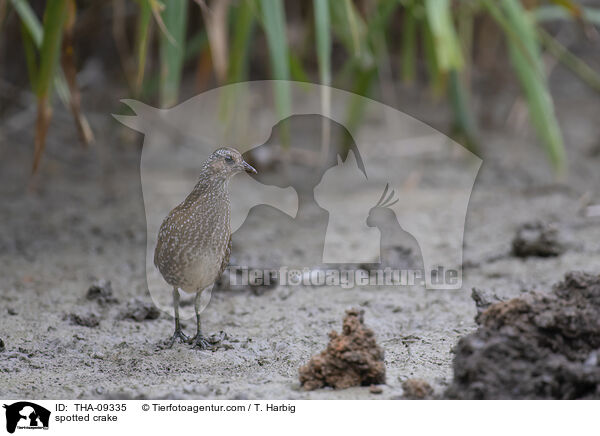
(343, 43)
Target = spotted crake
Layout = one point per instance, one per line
(194, 240)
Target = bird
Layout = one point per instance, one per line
(194, 240)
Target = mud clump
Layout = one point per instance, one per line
(416, 389)
(86, 320)
(376, 390)
(101, 292)
(351, 358)
(139, 310)
(539, 346)
(538, 239)
(483, 300)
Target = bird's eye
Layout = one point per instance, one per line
(229, 159)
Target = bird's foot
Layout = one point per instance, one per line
(200, 342)
(178, 336)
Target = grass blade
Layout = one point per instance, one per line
(465, 122)
(464, 119)
(243, 24)
(30, 54)
(119, 34)
(243, 21)
(552, 13)
(274, 24)
(172, 50)
(436, 77)
(215, 20)
(353, 25)
(349, 26)
(157, 8)
(465, 30)
(297, 72)
(568, 59)
(409, 45)
(35, 31)
(54, 16)
(323, 45)
(533, 80)
(29, 20)
(447, 48)
(142, 37)
(273, 16)
(377, 21)
(525, 56)
(67, 60)
(356, 107)
(323, 40)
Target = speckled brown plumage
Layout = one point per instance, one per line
(194, 240)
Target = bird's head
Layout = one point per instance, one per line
(381, 213)
(227, 162)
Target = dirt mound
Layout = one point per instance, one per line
(89, 319)
(101, 292)
(537, 346)
(538, 239)
(140, 310)
(416, 389)
(351, 358)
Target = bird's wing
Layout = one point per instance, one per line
(226, 258)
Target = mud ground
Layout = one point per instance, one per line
(85, 221)
(536, 346)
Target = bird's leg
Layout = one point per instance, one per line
(178, 335)
(199, 341)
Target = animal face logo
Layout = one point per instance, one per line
(311, 204)
(26, 415)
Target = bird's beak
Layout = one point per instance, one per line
(248, 168)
